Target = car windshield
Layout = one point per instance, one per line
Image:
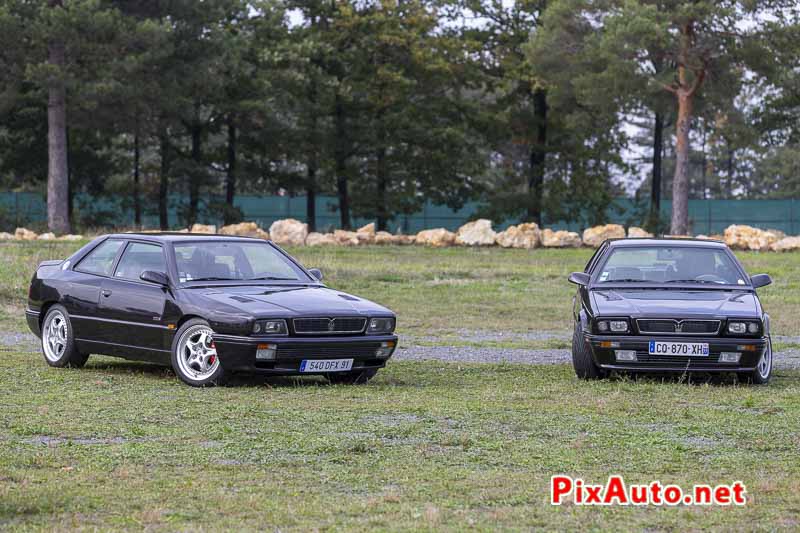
(664, 264)
(224, 261)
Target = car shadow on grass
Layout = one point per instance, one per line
(236, 380)
(690, 378)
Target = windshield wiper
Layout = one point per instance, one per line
(692, 281)
(629, 280)
(275, 278)
(212, 278)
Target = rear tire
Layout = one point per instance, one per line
(763, 372)
(359, 377)
(58, 341)
(582, 361)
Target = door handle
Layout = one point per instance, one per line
(106, 292)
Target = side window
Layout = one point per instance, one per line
(101, 259)
(139, 257)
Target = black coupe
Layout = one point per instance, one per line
(674, 305)
(207, 305)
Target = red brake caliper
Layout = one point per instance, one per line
(213, 357)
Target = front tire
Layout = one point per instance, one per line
(359, 377)
(582, 361)
(763, 371)
(58, 341)
(194, 355)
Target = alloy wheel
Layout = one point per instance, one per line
(765, 363)
(197, 354)
(54, 336)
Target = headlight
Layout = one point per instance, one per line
(380, 325)
(270, 327)
(615, 326)
(740, 327)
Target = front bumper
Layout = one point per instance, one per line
(604, 355)
(238, 353)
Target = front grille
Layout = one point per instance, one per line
(645, 357)
(328, 351)
(327, 326)
(668, 326)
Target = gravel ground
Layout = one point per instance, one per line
(784, 360)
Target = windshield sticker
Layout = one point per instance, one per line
(740, 282)
(604, 276)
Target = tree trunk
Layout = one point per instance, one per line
(163, 184)
(311, 196)
(655, 187)
(537, 157)
(380, 174)
(195, 176)
(729, 181)
(680, 182)
(230, 178)
(70, 189)
(57, 172)
(137, 204)
(340, 156)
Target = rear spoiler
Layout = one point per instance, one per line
(52, 262)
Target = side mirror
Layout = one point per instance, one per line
(153, 276)
(317, 273)
(580, 278)
(760, 280)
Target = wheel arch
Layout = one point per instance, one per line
(44, 309)
(185, 318)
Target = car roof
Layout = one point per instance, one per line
(665, 241)
(168, 236)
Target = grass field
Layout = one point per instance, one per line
(431, 445)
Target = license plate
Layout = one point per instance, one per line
(326, 365)
(690, 349)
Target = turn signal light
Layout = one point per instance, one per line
(385, 350)
(266, 352)
(747, 348)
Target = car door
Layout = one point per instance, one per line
(84, 284)
(133, 311)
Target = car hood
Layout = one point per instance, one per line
(289, 301)
(675, 303)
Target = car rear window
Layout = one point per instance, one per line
(100, 260)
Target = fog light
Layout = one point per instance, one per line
(385, 350)
(266, 352)
(625, 355)
(729, 357)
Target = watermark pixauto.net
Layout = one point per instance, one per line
(565, 489)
